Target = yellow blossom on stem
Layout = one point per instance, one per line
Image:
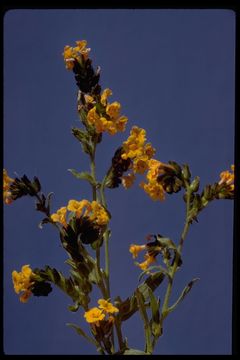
(149, 150)
(113, 110)
(6, 185)
(154, 169)
(71, 54)
(105, 94)
(92, 116)
(140, 164)
(22, 282)
(60, 216)
(227, 178)
(121, 123)
(78, 206)
(149, 259)
(133, 146)
(98, 214)
(154, 190)
(107, 306)
(128, 180)
(135, 249)
(94, 315)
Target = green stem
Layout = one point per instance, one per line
(175, 265)
(119, 333)
(106, 241)
(147, 329)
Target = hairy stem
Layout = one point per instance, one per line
(106, 240)
(175, 265)
(147, 329)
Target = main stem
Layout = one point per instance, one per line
(180, 246)
(106, 241)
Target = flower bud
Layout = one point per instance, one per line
(186, 172)
(195, 184)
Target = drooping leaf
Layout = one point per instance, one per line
(82, 333)
(183, 294)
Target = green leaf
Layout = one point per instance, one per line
(183, 294)
(84, 138)
(82, 333)
(83, 176)
(134, 352)
(155, 321)
(155, 267)
(74, 307)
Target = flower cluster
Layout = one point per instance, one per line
(105, 117)
(97, 314)
(7, 181)
(22, 282)
(72, 54)
(91, 210)
(135, 149)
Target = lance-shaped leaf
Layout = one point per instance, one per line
(155, 322)
(83, 176)
(183, 294)
(57, 278)
(84, 138)
(82, 333)
(134, 352)
(160, 269)
(128, 307)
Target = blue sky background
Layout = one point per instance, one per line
(173, 73)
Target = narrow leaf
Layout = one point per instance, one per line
(83, 176)
(183, 294)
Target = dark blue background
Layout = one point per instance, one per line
(173, 72)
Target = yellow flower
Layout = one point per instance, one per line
(149, 150)
(101, 124)
(60, 216)
(98, 214)
(6, 185)
(107, 306)
(154, 190)
(154, 169)
(121, 123)
(22, 282)
(113, 110)
(81, 48)
(78, 206)
(149, 259)
(227, 177)
(94, 315)
(128, 180)
(135, 249)
(71, 54)
(105, 94)
(111, 127)
(140, 164)
(92, 116)
(133, 146)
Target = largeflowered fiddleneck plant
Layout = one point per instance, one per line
(84, 223)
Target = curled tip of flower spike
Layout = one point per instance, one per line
(7, 181)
